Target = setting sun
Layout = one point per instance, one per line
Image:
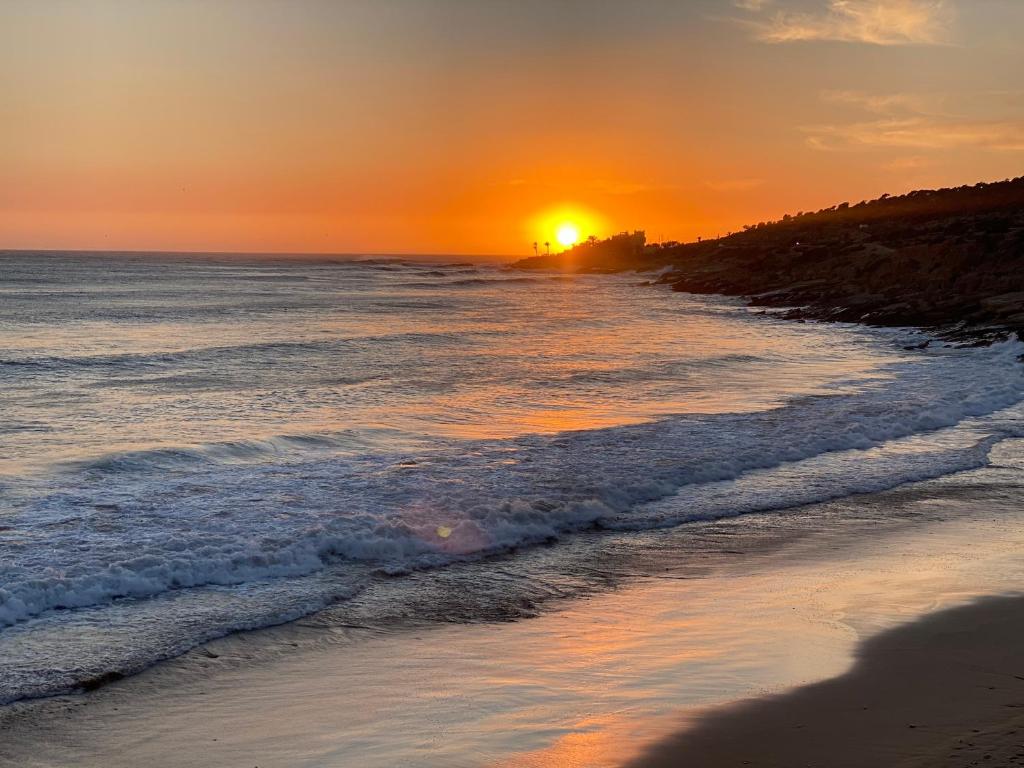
(568, 234)
(565, 225)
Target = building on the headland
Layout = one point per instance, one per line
(631, 243)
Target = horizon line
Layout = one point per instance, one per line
(326, 254)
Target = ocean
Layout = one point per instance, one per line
(194, 445)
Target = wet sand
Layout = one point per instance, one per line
(945, 690)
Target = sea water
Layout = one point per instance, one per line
(193, 445)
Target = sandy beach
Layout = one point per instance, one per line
(947, 689)
(613, 679)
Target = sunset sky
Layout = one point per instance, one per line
(460, 126)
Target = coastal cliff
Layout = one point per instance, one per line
(950, 259)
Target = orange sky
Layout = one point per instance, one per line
(450, 126)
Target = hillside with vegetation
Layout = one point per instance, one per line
(948, 258)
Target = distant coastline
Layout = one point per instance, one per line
(950, 260)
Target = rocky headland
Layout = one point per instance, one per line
(951, 260)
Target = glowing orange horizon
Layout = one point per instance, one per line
(352, 127)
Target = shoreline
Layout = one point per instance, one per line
(698, 635)
(946, 689)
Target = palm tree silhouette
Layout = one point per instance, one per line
(534, 247)
(547, 247)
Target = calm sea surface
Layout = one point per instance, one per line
(195, 445)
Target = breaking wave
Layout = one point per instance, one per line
(222, 524)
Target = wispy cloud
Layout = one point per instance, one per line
(915, 121)
(877, 22)
(612, 187)
(599, 186)
(887, 103)
(908, 163)
(919, 133)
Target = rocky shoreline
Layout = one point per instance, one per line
(949, 260)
